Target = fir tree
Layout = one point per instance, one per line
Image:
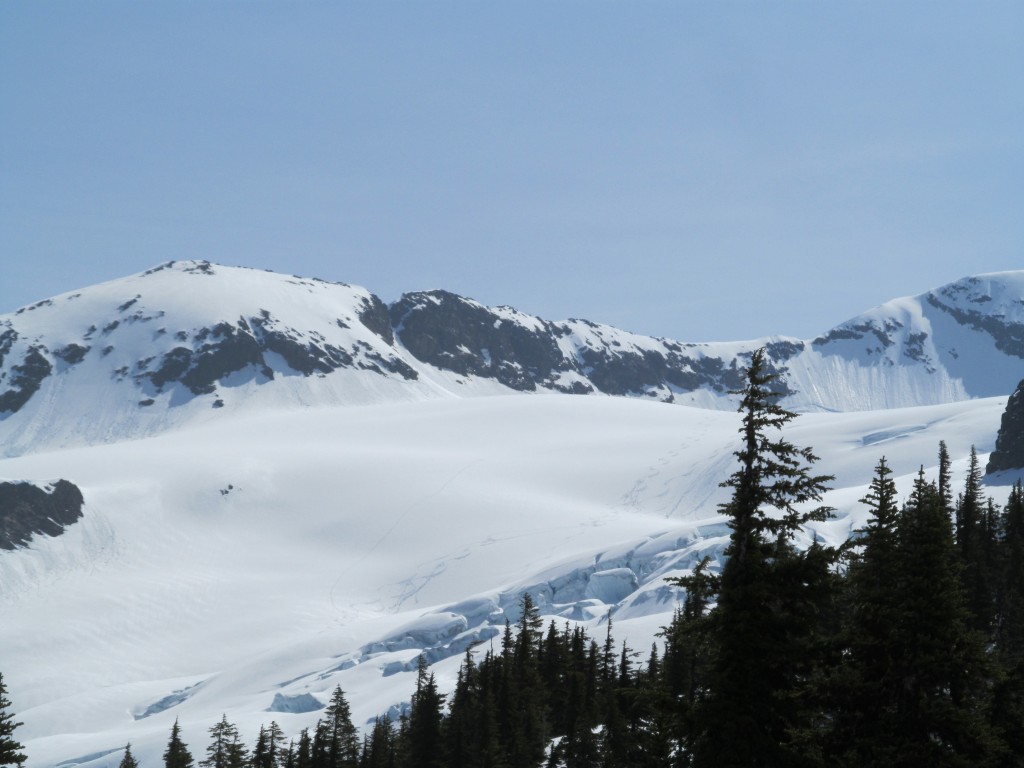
(974, 548)
(863, 691)
(128, 761)
(269, 751)
(379, 750)
(762, 624)
(260, 753)
(1010, 630)
(321, 740)
(342, 745)
(688, 654)
(304, 750)
(224, 743)
(425, 739)
(11, 751)
(1008, 694)
(471, 731)
(529, 720)
(177, 755)
(936, 682)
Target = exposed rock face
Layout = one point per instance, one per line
(198, 334)
(26, 510)
(578, 357)
(1009, 451)
(460, 335)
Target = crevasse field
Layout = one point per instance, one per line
(248, 565)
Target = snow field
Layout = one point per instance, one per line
(236, 563)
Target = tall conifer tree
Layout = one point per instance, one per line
(342, 746)
(11, 751)
(127, 761)
(937, 676)
(760, 630)
(177, 755)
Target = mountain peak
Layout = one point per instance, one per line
(138, 355)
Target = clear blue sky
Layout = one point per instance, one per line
(697, 170)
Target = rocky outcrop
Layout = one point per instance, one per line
(460, 335)
(25, 380)
(1009, 450)
(527, 353)
(27, 510)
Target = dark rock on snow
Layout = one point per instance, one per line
(1009, 451)
(26, 510)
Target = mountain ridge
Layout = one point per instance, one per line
(169, 345)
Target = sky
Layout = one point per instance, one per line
(695, 170)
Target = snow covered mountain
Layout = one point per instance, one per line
(317, 501)
(135, 356)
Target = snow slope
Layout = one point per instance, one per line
(191, 342)
(248, 565)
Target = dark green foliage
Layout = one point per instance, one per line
(11, 752)
(763, 625)
(270, 750)
(177, 755)
(379, 747)
(128, 761)
(688, 657)
(341, 740)
(304, 750)
(424, 739)
(226, 749)
(975, 539)
(860, 686)
(912, 686)
(1010, 626)
(471, 731)
(938, 667)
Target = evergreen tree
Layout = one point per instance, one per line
(11, 752)
(260, 752)
(304, 750)
(128, 761)
(275, 748)
(177, 755)
(937, 676)
(321, 741)
(471, 730)
(1008, 694)
(379, 750)
(864, 693)
(529, 720)
(688, 655)
(945, 481)
(224, 743)
(1010, 630)
(974, 548)
(342, 738)
(762, 625)
(425, 738)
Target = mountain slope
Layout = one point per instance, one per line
(174, 345)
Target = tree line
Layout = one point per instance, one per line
(902, 647)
